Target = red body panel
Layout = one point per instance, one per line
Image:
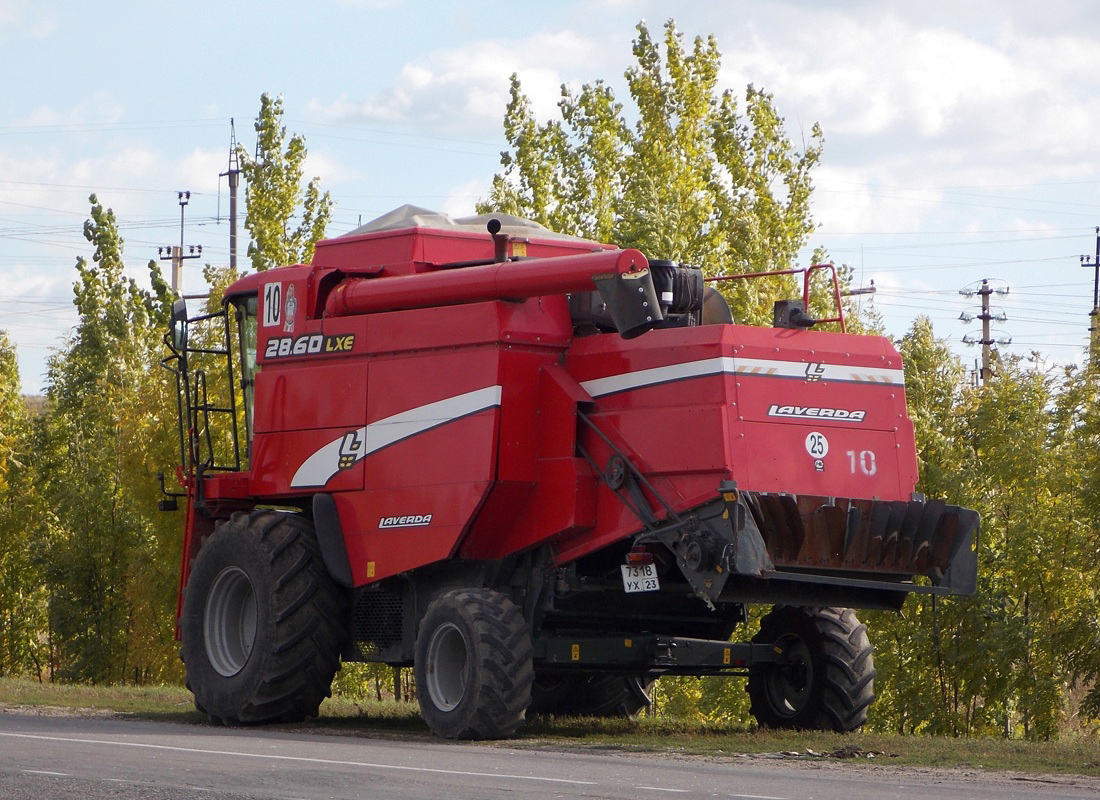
(453, 430)
(696, 406)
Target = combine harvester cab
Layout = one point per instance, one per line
(543, 472)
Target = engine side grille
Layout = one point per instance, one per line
(376, 622)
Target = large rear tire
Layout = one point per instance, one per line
(473, 665)
(825, 678)
(263, 622)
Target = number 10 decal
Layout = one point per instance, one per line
(273, 305)
(864, 461)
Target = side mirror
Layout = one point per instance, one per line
(791, 314)
(179, 326)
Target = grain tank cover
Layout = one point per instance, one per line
(410, 216)
(412, 239)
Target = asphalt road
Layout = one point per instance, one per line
(65, 758)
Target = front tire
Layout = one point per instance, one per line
(263, 622)
(473, 665)
(825, 679)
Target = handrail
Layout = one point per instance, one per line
(807, 273)
(194, 406)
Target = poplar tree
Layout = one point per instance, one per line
(1077, 418)
(107, 554)
(284, 219)
(1020, 450)
(701, 176)
(22, 598)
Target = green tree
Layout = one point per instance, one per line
(1001, 661)
(1077, 419)
(285, 222)
(106, 560)
(935, 384)
(1031, 569)
(912, 650)
(697, 178)
(22, 598)
(282, 232)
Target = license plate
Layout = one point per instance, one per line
(640, 578)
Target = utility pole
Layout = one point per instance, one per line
(175, 254)
(234, 175)
(1094, 263)
(987, 317)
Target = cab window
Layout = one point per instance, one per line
(246, 310)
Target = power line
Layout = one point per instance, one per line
(1083, 182)
(93, 127)
(88, 187)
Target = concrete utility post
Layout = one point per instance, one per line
(987, 317)
(175, 254)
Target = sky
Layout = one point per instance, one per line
(960, 137)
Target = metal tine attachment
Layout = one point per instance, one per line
(907, 535)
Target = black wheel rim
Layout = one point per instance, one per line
(789, 684)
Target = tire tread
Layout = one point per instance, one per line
(300, 655)
(496, 702)
(843, 669)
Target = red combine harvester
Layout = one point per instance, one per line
(543, 472)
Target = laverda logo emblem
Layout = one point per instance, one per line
(815, 412)
(814, 372)
(412, 521)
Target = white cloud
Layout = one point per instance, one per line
(37, 312)
(119, 167)
(370, 5)
(465, 90)
(964, 98)
(461, 199)
(917, 116)
(89, 115)
(200, 170)
(28, 18)
(849, 200)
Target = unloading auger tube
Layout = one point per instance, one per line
(622, 278)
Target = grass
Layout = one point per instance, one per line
(136, 700)
(1076, 755)
(1071, 756)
